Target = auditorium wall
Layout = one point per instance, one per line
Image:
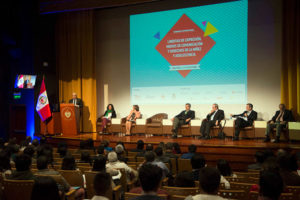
(264, 57)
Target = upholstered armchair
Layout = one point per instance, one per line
(154, 124)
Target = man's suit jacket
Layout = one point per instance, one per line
(218, 116)
(287, 116)
(183, 116)
(250, 118)
(78, 102)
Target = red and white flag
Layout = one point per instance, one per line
(42, 106)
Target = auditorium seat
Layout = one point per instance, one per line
(73, 177)
(241, 186)
(174, 165)
(233, 194)
(17, 189)
(127, 186)
(184, 165)
(251, 180)
(247, 174)
(183, 191)
(129, 196)
(89, 179)
(84, 169)
(154, 124)
(283, 196)
(178, 197)
(295, 190)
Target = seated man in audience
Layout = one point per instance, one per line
(209, 179)
(192, 150)
(107, 148)
(139, 147)
(161, 157)
(149, 147)
(214, 118)
(23, 172)
(150, 159)
(169, 151)
(288, 169)
(182, 118)
(271, 185)
(42, 165)
(102, 186)
(243, 120)
(279, 121)
(150, 177)
(198, 162)
(259, 160)
(120, 152)
(114, 163)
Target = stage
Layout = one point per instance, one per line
(238, 153)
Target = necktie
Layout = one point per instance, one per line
(279, 118)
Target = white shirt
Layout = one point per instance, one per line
(213, 115)
(120, 165)
(99, 198)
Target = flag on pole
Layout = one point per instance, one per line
(42, 106)
(20, 83)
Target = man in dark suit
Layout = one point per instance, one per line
(76, 101)
(212, 119)
(243, 120)
(182, 118)
(279, 121)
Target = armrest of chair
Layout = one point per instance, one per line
(117, 192)
(131, 184)
(123, 120)
(99, 120)
(148, 120)
(70, 195)
(165, 181)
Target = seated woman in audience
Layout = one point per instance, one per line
(176, 148)
(5, 167)
(45, 188)
(114, 163)
(131, 118)
(225, 170)
(68, 163)
(184, 179)
(108, 115)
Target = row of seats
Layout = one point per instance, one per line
(159, 124)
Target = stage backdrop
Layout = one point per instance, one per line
(75, 62)
(263, 60)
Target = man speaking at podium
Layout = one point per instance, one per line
(76, 101)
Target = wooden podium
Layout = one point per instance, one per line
(70, 118)
(53, 126)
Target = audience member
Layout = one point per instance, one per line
(107, 148)
(63, 150)
(225, 170)
(68, 163)
(102, 186)
(271, 185)
(45, 188)
(197, 162)
(120, 153)
(192, 150)
(209, 179)
(23, 172)
(5, 167)
(176, 148)
(150, 159)
(288, 169)
(259, 159)
(139, 146)
(150, 177)
(85, 157)
(169, 151)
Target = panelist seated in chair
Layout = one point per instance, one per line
(76, 101)
(279, 121)
(243, 120)
(182, 118)
(214, 118)
(133, 115)
(107, 116)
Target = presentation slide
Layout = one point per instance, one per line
(196, 55)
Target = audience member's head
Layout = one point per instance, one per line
(121, 143)
(119, 149)
(169, 147)
(112, 157)
(184, 179)
(149, 147)
(105, 143)
(43, 140)
(82, 144)
(192, 148)
(224, 167)
(42, 163)
(4, 162)
(158, 151)
(100, 150)
(271, 185)
(45, 188)
(259, 157)
(287, 162)
(99, 164)
(22, 162)
(209, 179)
(68, 163)
(268, 153)
(102, 183)
(150, 177)
(270, 164)
(162, 145)
(90, 143)
(85, 157)
(140, 145)
(28, 139)
(149, 156)
(35, 142)
(29, 150)
(198, 161)
(176, 148)
(62, 151)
